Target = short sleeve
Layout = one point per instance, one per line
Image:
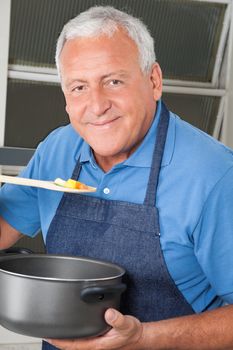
(213, 237)
(19, 204)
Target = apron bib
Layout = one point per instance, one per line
(124, 233)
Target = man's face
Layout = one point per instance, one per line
(110, 102)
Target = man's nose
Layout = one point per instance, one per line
(99, 102)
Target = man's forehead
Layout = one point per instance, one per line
(103, 54)
(119, 39)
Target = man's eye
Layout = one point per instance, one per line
(115, 82)
(78, 88)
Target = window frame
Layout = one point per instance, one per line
(5, 7)
(172, 86)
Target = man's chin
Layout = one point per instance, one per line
(109, 156)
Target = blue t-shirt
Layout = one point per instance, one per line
(194, 198)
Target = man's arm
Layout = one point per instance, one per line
(211, 330)
(8, 234)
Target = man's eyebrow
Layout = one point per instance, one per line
(121, 73)
(118, 72)
(72, 81)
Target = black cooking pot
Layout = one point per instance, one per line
(56, 296)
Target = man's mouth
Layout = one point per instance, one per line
(104, 123)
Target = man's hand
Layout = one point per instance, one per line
(126, 334)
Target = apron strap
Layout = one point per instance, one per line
(77, 170)
(150, 198)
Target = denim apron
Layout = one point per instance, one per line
(124, 233)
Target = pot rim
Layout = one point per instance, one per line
(62, 257)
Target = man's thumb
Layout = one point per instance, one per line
(114, 318)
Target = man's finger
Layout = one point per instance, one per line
(120, 322)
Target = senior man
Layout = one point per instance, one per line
(164, 202)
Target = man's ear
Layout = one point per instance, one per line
(156, 80)
(67, 109)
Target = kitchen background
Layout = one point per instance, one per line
(194, 46)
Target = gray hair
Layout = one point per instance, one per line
(99, 20)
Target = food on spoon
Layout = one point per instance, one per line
(70, 183)
(76, 184)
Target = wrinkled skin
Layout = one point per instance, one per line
(126, 334)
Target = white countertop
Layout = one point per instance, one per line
(8, 337)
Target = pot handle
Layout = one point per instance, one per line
(101, 293)
(15, 250)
